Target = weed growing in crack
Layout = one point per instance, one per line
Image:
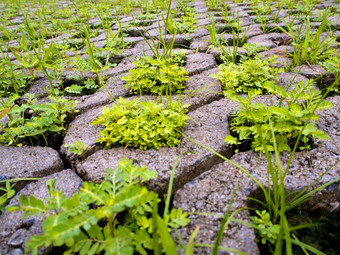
(35, 123)
(311, 46)
(117, 216)
(288, 118)
(332, 65)
(141, 124)
(125, 213)
(250, 74)
(158, 76)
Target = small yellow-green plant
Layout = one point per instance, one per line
(158, 76)
(266, 229)
(77, 148)
(332, 65)
(8, 192)
(142, 124)
(249, 75)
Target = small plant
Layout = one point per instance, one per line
(214, 5)
(8, 193)
(311, 47)
(214, 32)
(265, 228)
(77, 148)
(147, 16)
(36, 123)
(12, 81)
(332, 65)
(8, 190)
(186, 22)
(79, 86)
(145, 125)
(158, 76)
(251, 122)
(250, 74)
(118, 216)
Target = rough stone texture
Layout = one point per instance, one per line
(212, 192)
(15, 231)
(316, 72)
(28, 162)
(203, 89)
(329, 122)
(270, 40)
(201, 44)
(82, 130)
(199, 62)
(287, 80)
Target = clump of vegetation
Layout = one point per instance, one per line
(250, 74)
(78, 148)
(118, 216)
(253, 121)
(158, 76)
(332, 65)
(79, 86)
(12, 80)
(141, 124)
(35, 123)
(185, 24)
(311, 46)
(266, 229)
(8, 192)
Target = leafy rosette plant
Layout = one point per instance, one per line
(252, 121)
(249, 75)
(158, 76)
(141, 124)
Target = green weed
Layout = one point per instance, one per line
(126, 211)
(145, 125)
(250, 74)
(158, 76)
(32, 123)
(288, 118)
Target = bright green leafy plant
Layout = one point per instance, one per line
(36, 123)
(251, 121)
(7, 190)
(8, 193)
(332, 65)
(186, 22)
(141, 124)
(251, 74)
(158, 76)
(118, 216)
(77, 148)
(266, 229)
(311, 46)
